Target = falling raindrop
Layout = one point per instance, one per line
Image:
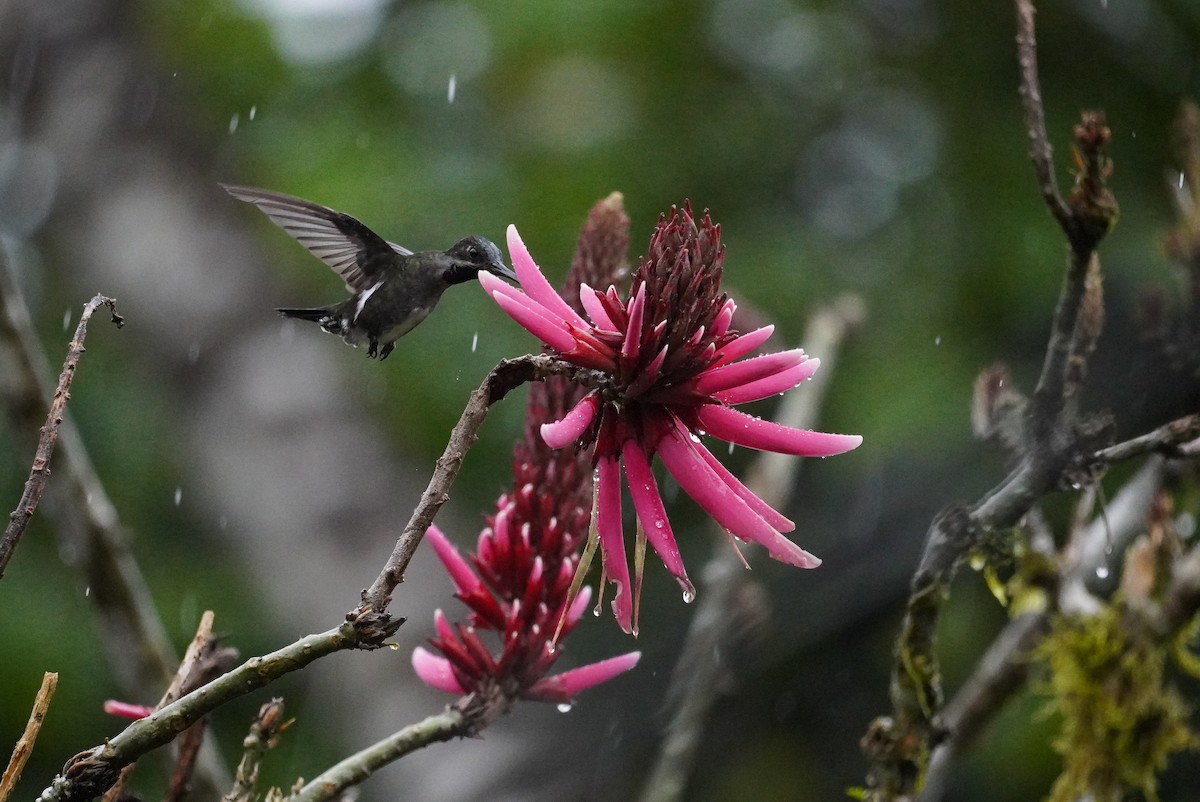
(731, 444)
(474, 342)
(1181, 180)
(233, 122)
(1102, 572)
(178, 496)
(193, 353)
(937, 340)
(253, 112)
(66, 319)
(87, 591)
(564, 707)
(450, 90)
(223, 522)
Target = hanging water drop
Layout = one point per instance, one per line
(689, 595)
(1102, 572)
(564, 707)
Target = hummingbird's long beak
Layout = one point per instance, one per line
(502, 270)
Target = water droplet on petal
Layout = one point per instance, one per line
(564, 707)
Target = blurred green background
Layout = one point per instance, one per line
(872, 147)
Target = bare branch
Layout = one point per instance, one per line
(24, 747)
(264, 731)
(1170, 440)
(1030, 90)
(36, 483)
(452, 723)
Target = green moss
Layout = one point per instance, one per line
(1122, 719)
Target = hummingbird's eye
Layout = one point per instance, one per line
(473, 252)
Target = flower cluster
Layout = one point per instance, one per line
(671, 369)
(517, 584)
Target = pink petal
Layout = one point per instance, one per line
(612, 540)
(573, 424)
(725, 506)
(734, 374)
(650, 511)
(536, 319)
(461, 575)
(733, 350)
(563, 687)
(769, 385)
(435, 671)
(632, 345)
(737, 427)
(128, 710)
(764, 510)
(594, 308)
(724, 318)
(535, 284)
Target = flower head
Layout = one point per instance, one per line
(517, 583)
(671, 369)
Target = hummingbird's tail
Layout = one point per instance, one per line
(315, 314)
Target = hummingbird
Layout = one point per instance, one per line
(392, 289)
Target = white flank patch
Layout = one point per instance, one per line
(362, 299)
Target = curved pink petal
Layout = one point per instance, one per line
(563, 687)
(612, 539)
(707, 489)
(737, 348)
(724, 318)
(460, 572)
(573, 424)
(768, 386)
(534, 282)
(632, 345)
(765, 510)
(435, 671)
(725, 506)
(534, 318)
(737, 427)
(591, 303)
(648, 504)
(733, 374)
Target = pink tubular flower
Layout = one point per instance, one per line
(517, 583)
(671, 369)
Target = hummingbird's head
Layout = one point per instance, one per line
(476, 253)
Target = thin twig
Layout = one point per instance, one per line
(1166, 440)
(1030, 90)
(85, 519)
(452, 723)
(264, 732)
(772, 478)
(24, 747)
(20, 517)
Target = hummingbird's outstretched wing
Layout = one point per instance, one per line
(355, 252)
